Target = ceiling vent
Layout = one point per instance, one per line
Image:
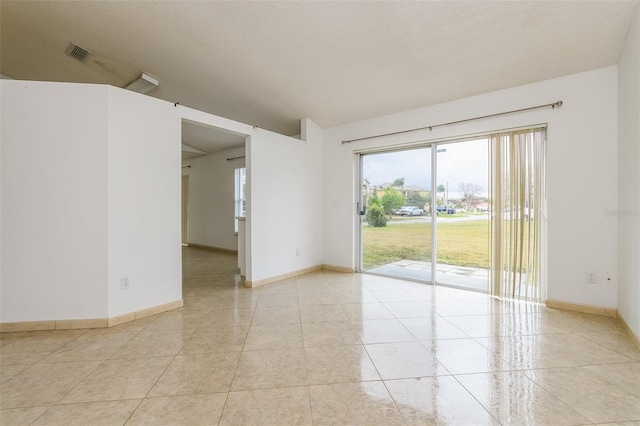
(78, 53)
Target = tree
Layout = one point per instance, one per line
(415, 199)
(398, 183)
(392, 199)
(469, 192)
(374, 200)
(440, 189)
(376, 217)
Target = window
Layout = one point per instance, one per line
(240, 199)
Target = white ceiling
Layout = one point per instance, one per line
(272, 63)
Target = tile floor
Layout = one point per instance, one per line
(325, 348)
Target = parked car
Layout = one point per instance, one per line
(410, 211)
(446, 209)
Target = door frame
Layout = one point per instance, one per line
(433, 145)
(185, 210)
(360, 199)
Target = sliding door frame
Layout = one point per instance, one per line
(359, 208)
(434, 145)
(360, 199)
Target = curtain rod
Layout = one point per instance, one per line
(554, 105)
(235, 158)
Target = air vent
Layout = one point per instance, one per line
(78, 53)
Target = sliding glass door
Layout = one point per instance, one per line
(396, 224)
(467, 213)
(414, 225)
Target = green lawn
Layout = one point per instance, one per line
(459, 243)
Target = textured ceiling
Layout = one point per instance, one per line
(272, 63)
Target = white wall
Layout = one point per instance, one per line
(284, 211)
(90, 193)
(582, 161)
(212, 198)
(54, 201)
(144, 201)
(629, 179)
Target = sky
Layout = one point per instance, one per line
(459, 162)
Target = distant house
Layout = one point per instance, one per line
(406, 190)
(480, 205)
(414, 195)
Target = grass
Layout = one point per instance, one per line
(459, 243)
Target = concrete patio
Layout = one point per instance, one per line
(459, 276)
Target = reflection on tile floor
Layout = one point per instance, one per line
(325, 348)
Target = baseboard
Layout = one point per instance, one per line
(212, 248)
(258, 283)
(586, 309)
(338, 268)
(83, 323)
(12, 327)
(121, 319)
(276, 278)
(159, 309)
(635, 339)
(73, 324)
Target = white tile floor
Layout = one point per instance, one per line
(325, 348)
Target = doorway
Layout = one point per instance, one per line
(210, 155)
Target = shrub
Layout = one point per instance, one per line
(376, 217)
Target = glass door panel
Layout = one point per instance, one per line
(462, 223)
(396, 225)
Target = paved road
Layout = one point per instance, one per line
(442, 218)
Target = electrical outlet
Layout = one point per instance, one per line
(124, 283)
(297, 252)
(592, 278)
(609, 280)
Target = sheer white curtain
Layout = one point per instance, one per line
(517, 213)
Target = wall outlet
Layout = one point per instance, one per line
(592, 278)
(124, 283)
(297, 252)
(609, 279)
